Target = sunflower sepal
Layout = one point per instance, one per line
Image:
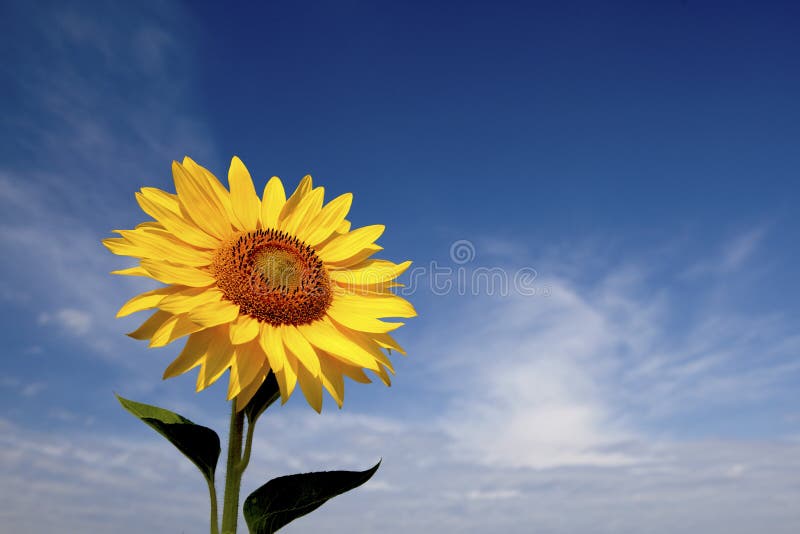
(284, 499)
(267, 393)
(198, 443)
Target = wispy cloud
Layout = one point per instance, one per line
(85, 139)
(731, 256)
(90, 481)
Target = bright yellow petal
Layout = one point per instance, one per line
(323, 335)
(162, 198)
(214, 313)
(303, 188)
(356, 258)
(218, 358)
(375, 305)
(248, 361)
(326, 221)
(177, 326)
(192, 354)
(161, 245)
(287, 377)
(272, 203)
(356, 374)
(176, 224)
(387, 342)
(344, 227)
(301, 348)
(149, 327)
(347, 316)
(132, 271)
(369, 345)
(348, 245)
(331, 376)
(177, 274)
(272, 344)
(243, 329)
(249, 391)
(384, 376)
(147, 300)
(308, 207)
(311, 387)
(188, 299)
(369, 273)
(121, 247)
(244, 201)
(222, 194)
(200, 202)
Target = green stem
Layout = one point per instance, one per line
(212, 493)
(233, 476)
(248, 445)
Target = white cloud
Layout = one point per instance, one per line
(76, 322)
(139, 483)
(92, 142)
(731, 256)
(742, 248)
(33, 389)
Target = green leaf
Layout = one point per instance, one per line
(198, 443)
(266, 395)
(284, 499)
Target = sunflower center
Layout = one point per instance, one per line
(273, 277)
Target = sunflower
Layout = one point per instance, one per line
(260, 285)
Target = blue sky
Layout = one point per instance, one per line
(630, 168)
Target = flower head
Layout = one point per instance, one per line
(262, 284)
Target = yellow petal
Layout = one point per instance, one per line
(177, 326)
(287, 377)
(308, 207)
(331, 376)
(218, 358)
(344, 227)
(356, 258)
(192, 354)
(176, 224)
(243, 329)
(272, 203)
(356, 374)
(177, 274)
(348, 245)
(387, 342)
(311, 387)
(132, 271)
(248, 361)
(150, 326)
(369, 345)
(249, 391)
(200, 202)
(222, 194)
(358, 320)
(375, 305)
(190, 298)
(384, 376)
(121, 247)
(272, 344)
(326, 221)
(291, 203)
(214, 313)
(323, 335)
(162, 198)
(162, 245)
(369, 273)
(301, 348)
(244, 201)
(147, 300)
